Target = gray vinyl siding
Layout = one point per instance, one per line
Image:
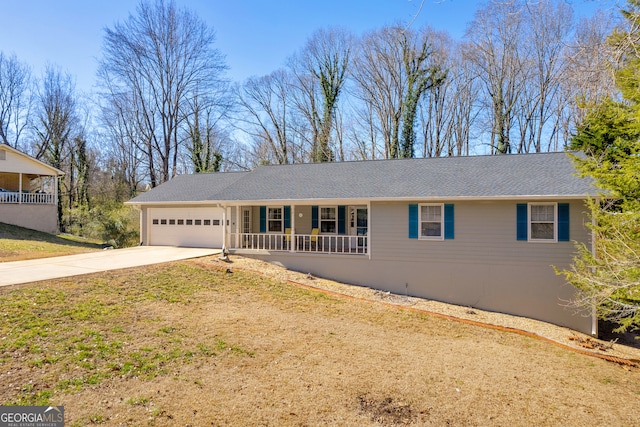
(485, 232)
(484, 266)
(302, 224)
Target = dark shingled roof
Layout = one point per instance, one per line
(474, 177)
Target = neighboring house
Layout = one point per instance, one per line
(482, 231)
(28, 191)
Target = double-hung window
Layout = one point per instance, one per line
(328, 220)
(542, 222)
(431, 221)
(275, 220)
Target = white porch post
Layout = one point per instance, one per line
(224, 229)
(293, 229)
(20, 188)
(239, 219)
(369, 229)
(55, 189)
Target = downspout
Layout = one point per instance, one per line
(20, 188)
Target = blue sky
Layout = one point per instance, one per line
(255, 36)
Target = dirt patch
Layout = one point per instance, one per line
(388, 412)
(609, 345)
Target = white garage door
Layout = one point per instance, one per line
(189, 227)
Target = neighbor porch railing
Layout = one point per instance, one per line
(311, 243)
(27, 198)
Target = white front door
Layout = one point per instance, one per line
(358, 224)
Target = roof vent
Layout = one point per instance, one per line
(3, 155)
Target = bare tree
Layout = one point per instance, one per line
(202, 145)
(266, 104)
(495, 48)
(380, 81)
(547, 26)
(589, 76)
(124, 143)
(421, 75)
(436, 110)
(393, 70)
(321, 70)
(56, 123)
(160, 58)
(15, 99)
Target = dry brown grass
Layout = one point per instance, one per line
(189, 344)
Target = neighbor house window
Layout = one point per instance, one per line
(328, 219)
(431, 221)
(274, 220)
(542, 222)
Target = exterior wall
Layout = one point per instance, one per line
(484, 266)
(36, 217)
(23, 164)
(302, 223)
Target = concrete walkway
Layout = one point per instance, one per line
(16, 272)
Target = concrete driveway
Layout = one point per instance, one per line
(16, 272)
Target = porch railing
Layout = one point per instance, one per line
(27, 198)
(316, 243)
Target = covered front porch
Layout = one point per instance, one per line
(27, 188)
(330, 229)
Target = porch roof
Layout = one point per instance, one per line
(474, 177)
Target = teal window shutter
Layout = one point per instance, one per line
(314, 217)
(448, 222)
(342, 220)
(263, 219)
(563, 222)
(413, 221)
(522, 221)
(287, 217)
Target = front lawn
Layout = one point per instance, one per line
(17, 243)
(190, 343)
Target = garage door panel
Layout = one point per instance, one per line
(190, 227)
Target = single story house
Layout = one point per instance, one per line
(28, 191)
(479, 231)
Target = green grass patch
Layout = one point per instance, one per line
(113, 326)
(17, 243)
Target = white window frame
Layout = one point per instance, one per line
(334, 220)
(420, 221)
(269, 220)
(530, 222)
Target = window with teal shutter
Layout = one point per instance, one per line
(449, 230)
(413, 221)
(563, 222)
(263, 219)
(522, 223)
